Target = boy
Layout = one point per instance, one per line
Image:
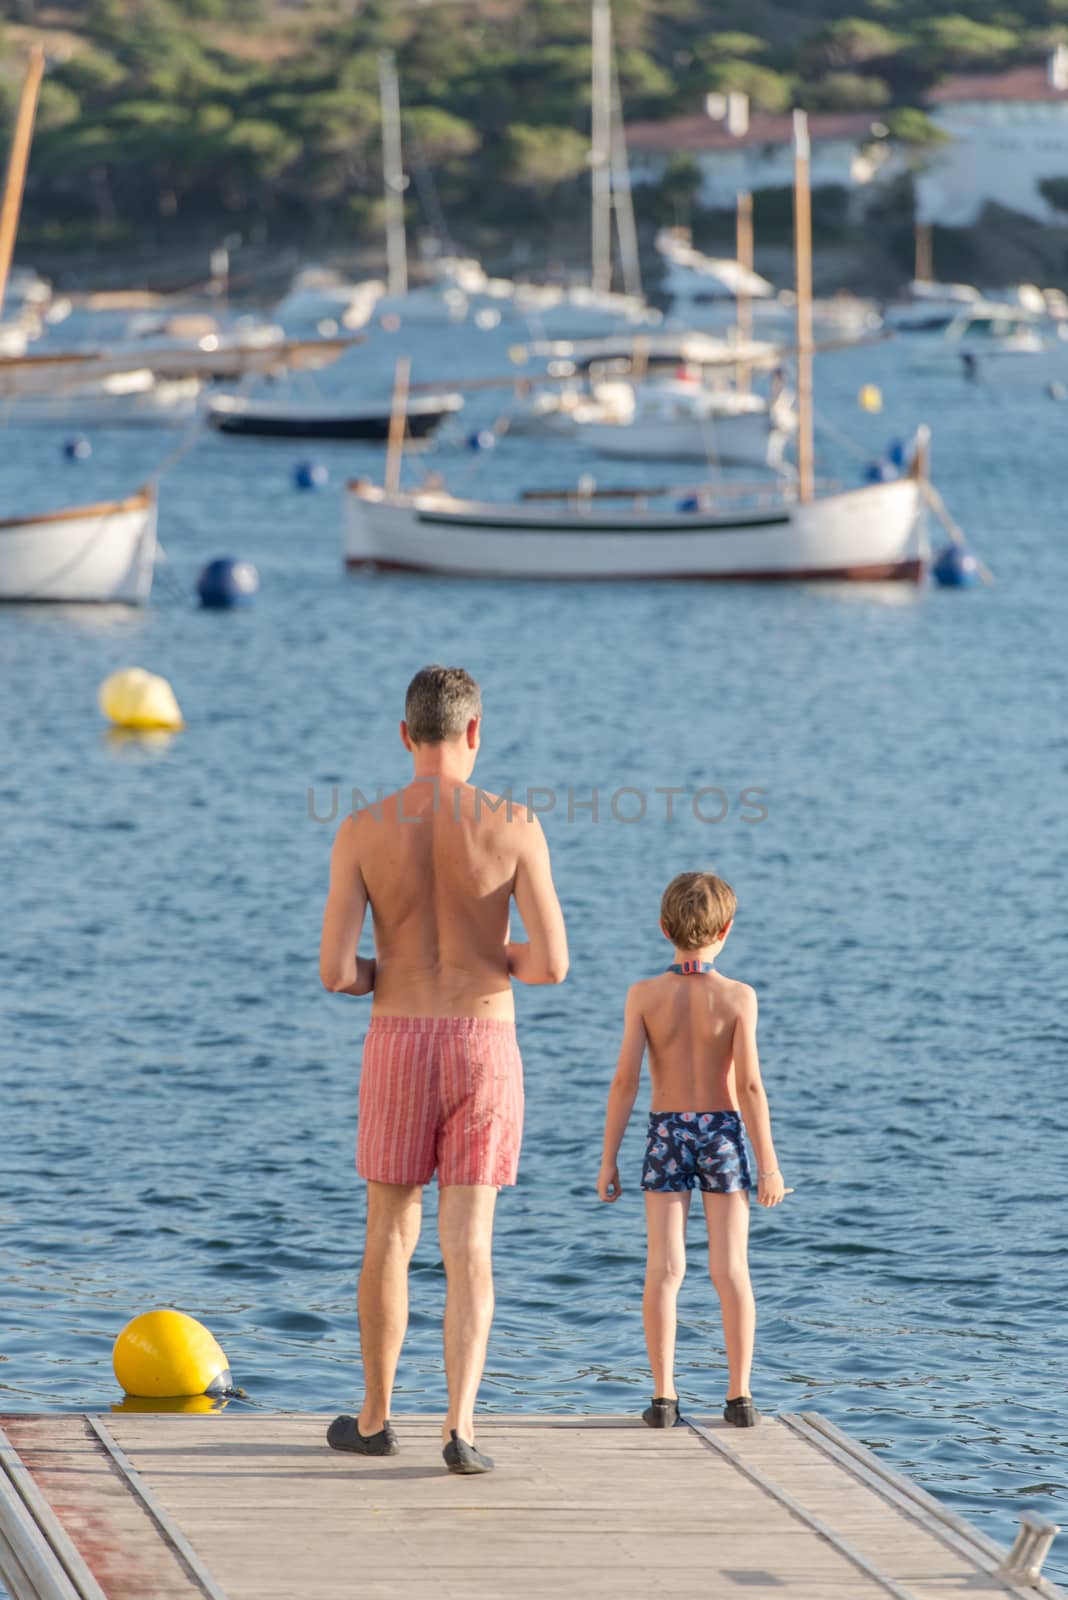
(700, 1031)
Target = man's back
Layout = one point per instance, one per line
(440, 867)
(689, 1024)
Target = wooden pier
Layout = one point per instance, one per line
(255, 1507)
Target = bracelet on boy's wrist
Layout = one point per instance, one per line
(772, 1173)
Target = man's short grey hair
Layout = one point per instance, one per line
(440, 702)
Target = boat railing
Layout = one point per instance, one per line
(706, 496)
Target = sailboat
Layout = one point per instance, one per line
(877, 532)
(100, 552)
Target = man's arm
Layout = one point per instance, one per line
(544, 958)
(340, 968)
(753, 1099)
(621, 1096)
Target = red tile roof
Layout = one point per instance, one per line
(701, 132)
(1019, 83)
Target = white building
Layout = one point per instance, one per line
(1007, 131)
(735, 150)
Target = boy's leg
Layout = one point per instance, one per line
(394, 1215)
(727, 1216)
(465, 1228)
(665, 1220)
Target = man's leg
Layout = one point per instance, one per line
(465, 1227)
(394, 1215)
(665, 1221)
(727, 1216)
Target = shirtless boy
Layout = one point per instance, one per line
(441, 1086)
(700, 1031)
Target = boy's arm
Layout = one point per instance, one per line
(622, 1095)
(343, 971)
(754, 1101)
(543, 958)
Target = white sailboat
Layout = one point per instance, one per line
(100, 552)
(680, 419)
(706, 292)
(874, 533)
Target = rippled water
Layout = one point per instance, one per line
(179, 1095)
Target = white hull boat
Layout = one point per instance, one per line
(97, 553)
(122, 400)
(581, 313)
(992, 344)
(874, 533)
(318, 295)
(679, 420)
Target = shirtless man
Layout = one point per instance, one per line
(441, 1085)
(700, 1031)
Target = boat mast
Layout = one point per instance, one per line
(743, 249)
(803, 284)
(15, 182)
(622, 198)
(601, 148)
(393, 176)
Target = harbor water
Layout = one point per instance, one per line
(179, 1094)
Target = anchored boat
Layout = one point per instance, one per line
(102, 552)
(277, 419)
(877, 533)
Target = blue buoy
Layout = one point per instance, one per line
(78, 449)
(955, 568)
(226, 583)
(311, 475)
(689, 503)
(484, 439)
(876, 472)
(897, 454)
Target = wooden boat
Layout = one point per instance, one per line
(875, 533)
(277, 419)
(103, 552)
(97, 552)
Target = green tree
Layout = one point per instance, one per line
(767, 90)
(957, 41)
(541, 156)
(849, 91)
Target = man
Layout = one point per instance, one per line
(441, 1085)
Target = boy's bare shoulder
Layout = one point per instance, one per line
(740, 997)
(646, 990)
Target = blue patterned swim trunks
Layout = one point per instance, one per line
(702, 1149)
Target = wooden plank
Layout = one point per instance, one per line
(579, 1507)
(17, 1475)
(110, 1530)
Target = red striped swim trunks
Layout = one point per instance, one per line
(442, 1093)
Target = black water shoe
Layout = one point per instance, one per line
(661, 1414)
(741, 1412)
(344, 1434)
(463, 1458)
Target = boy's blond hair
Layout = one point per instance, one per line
(696, 908)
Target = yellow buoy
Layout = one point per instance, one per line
(166, 1353)
(134, 698)
(870, 397)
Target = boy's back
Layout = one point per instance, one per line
(690, 1023)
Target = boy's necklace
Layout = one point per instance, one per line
(687, 969)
